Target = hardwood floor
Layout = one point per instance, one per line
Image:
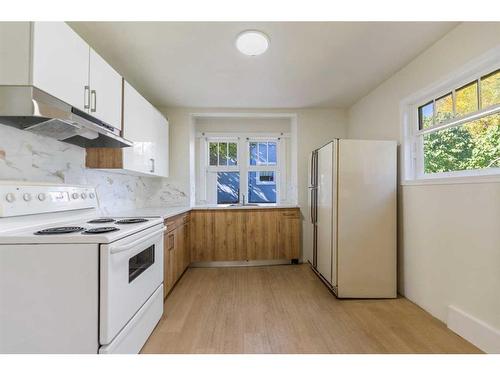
(286, 309)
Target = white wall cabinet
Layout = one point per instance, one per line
(53, 58)
(148, 129)
(105, 91)
(60, 63)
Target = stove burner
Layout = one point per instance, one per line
(131, 221)
(100, 230)
(60, 230)
(100, 221)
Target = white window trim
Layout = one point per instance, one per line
(412, 155)
(243, 166)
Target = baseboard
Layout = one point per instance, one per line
(482, 335)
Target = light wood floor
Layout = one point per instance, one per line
(286, 309)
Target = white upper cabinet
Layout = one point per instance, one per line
(105, 91)
(63, 65)
(60, 62)
(148, 129)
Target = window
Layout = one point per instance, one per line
(223, 153)
(243, 169)
(459, 131)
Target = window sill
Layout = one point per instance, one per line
(455, 180)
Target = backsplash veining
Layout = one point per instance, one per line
(29, 157)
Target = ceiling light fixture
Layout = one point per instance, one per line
(252, 42)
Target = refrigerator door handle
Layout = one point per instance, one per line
(314, 205)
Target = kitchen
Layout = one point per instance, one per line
(191, 220)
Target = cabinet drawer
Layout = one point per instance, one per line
(291, 214)
(176, 221)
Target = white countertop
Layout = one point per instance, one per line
(167, 212)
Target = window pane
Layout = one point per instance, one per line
(223, 153)
(271, 149)
(466, 99)
(490, 89)
(213, 153)
(261, 187)
(474, 145)
(233, 153)
(253, 153)
(228, 187)
(425, 115)
(444, 108)
(262, 155)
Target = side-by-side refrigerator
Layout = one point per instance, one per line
(352, 199)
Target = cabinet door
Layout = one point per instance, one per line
(168, 265)
(289, 235)
(230, 239)
(161, 149)
(137, 127)
(60, 63)
(202, 236)
(183, 247)
(179, 251)
(106, 91)
(187, 244)
(262, 234)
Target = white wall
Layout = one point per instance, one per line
(449, 245)
(315, 127)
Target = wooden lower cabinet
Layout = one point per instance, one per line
(246, 234)
(177, 251)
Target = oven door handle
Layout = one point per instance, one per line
(119, 249)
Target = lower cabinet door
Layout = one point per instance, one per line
(169, 262)
(230, 241)
(202, 236)
(262, 234)
(288, 237)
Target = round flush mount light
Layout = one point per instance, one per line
(252, 42)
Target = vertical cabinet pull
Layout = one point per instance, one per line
(93, 97)
(152, 165)
(170, 242)
(86, 97)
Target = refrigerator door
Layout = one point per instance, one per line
(325, 204)
(367, 219)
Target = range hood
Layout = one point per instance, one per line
(30, 109)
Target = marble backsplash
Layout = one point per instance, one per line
(29, 157)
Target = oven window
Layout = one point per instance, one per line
(140, 263)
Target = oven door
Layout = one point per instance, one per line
(131, 270)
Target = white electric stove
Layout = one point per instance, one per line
(71, 280)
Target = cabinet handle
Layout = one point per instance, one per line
(93, 97)
(152, 165)
(86, 97)
(170, 242)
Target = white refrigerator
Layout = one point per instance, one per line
(353, 214)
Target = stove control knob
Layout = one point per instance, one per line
(75, 195)
(27, 197)
(10, 197)
(41, 197)
(83, 195)
(92, 195)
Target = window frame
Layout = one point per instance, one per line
(243, 164)
(413, 135)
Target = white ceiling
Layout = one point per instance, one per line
(308, 64)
